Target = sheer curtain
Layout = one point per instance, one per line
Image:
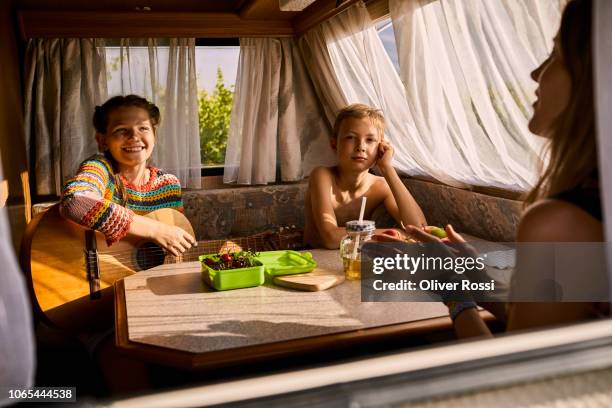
(164, 72)
(459, 112)
(465, 66)
(349, 64)
(64, 80)
(274, 110)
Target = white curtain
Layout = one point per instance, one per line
(64, 80)
(465, 66)
(276, 119)
(164, 72)
(349, 64)
(459, 112)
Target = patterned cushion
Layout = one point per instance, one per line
(241, 211)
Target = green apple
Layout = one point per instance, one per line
(437, 232)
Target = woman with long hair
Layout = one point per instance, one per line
(564, 205)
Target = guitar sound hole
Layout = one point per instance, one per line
(149, 255)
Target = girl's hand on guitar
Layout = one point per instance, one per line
(173, 239)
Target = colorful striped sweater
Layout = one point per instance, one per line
(92, 199)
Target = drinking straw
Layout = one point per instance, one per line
(363, 204)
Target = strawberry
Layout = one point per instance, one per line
(226, 258)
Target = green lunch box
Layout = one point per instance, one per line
(232, 278)
(277, 263)
(274, 263)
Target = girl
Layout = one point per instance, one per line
(111, 191)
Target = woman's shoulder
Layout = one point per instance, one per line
(585, 196)
(553, 220)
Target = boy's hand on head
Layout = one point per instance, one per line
(385, 155)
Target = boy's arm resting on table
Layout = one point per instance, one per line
(399, 202)
(323, 216)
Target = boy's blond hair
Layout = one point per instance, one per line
(360, 111)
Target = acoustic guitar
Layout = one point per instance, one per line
(72, 270)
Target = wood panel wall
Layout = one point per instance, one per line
(12, 136)
(255, 18)
(116, 24)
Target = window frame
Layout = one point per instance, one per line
(215, 170)
(511, 360)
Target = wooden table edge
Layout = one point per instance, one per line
(256, 353)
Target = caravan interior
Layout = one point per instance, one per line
(204, 240)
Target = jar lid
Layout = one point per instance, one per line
(360, 226)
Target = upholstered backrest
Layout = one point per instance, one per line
(241, 211)
(484, 216)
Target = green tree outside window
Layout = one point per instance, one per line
(215, 111)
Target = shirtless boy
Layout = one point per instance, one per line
(334, 193)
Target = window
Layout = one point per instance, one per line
(216, 69)
(217, 66)
(385, 32)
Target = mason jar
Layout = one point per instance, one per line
(358, 232)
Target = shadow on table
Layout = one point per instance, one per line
(180, 284)
(234, 333)
(186, 283)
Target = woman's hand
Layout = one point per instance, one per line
(173, 239)
(423, 234)
(460, 247)
(390, 235)
(457, 247)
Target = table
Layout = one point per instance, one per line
(168, 316)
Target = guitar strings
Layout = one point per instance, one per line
(126, 256)
(207, 246)
(200, 248)
(206, 243)
(202, 245)
(111, 269)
